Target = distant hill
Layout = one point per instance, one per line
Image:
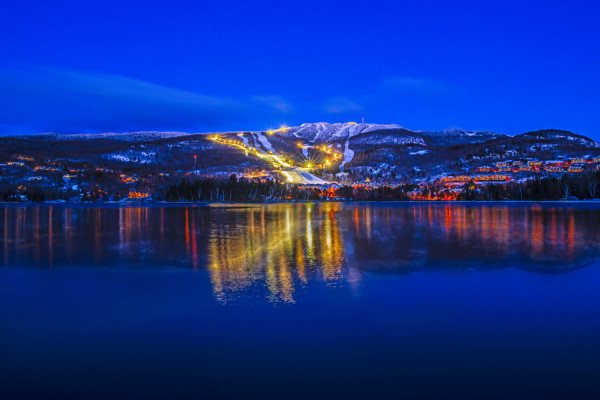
(377, 151)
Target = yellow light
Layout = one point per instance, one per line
(309, 165)
(287, 175)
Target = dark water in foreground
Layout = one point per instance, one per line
(301, 300)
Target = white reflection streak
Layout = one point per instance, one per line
(309, 237)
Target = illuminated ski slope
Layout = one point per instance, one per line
(292, 174)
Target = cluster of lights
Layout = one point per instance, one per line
(274, 159)
(133, 194)
(282, 128)
(329, 151)
(310, 164)
(327, 163)
(279, 161)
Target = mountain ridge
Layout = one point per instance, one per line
(314, 132)
(386, 152)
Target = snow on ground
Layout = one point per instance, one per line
(265, 142)
(348, 154)
(119, 157)
(376, 139)
(321, 129)
(309, 178)
(419, 153)
(301, 175)
(324, 132)
(141, 157)
(377, 127)
(305, 152)
(244, 139)
(302, 127)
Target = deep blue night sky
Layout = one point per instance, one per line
(95, 66)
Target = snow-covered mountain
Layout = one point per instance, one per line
(359, 150)
(319, 132)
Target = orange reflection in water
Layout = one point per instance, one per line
(290, 243)
(284, 247)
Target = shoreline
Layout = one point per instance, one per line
(111, 204)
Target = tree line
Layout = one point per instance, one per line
(234, 189)
(571, 187)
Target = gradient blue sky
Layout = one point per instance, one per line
(97, 66)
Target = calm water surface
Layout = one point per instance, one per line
(301, 300)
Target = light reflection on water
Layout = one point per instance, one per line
(283, 247)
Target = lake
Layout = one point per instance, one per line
(337, 300)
